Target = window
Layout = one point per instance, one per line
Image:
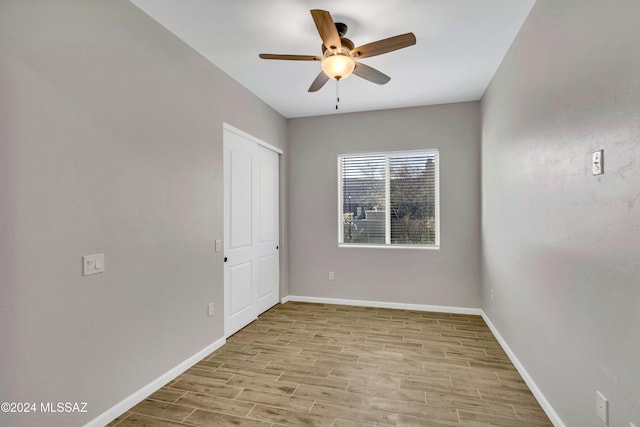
(389, 199)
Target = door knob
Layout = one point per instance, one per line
(225, 259)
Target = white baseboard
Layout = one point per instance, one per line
(537, 393)
(110, 414)
(542, 400)
(285, 300)
(383, 304)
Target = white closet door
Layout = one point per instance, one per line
(251, 218)
(266, 239)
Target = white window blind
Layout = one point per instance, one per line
(389, 199)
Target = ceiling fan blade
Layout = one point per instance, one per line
(320, 80)
(327, 28)
(384, 46)
(371, 74)
(290, 57)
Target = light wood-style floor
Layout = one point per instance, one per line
(330, 365)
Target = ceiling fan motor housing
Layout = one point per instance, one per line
(345, 42)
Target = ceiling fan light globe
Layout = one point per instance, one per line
(338, 66)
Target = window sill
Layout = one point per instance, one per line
(410, 247)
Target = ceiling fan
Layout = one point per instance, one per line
(339, 54)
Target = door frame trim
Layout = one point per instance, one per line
(227, 126)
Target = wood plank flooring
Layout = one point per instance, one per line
(343, 366)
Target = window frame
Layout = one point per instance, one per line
(388, 244)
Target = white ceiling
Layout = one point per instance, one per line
(460, 44)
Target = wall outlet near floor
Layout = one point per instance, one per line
(602, 407)
(210, 309)
(332, 275)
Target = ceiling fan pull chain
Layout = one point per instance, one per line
(337, 92)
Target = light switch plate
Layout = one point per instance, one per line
(92, 264)
(597, 162)
(218, 245)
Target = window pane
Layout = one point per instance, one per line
(363, 192)
(389, 199)
(413, 201)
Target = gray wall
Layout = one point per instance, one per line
(110, 142)
(562, 247)
(449, 276)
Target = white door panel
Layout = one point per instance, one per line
(268, 201)
(240, 288)
(241, 184)
(264, 268)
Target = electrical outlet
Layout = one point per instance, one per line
(491, 294)
(210, 309)
(602, 407)
(332, 275)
